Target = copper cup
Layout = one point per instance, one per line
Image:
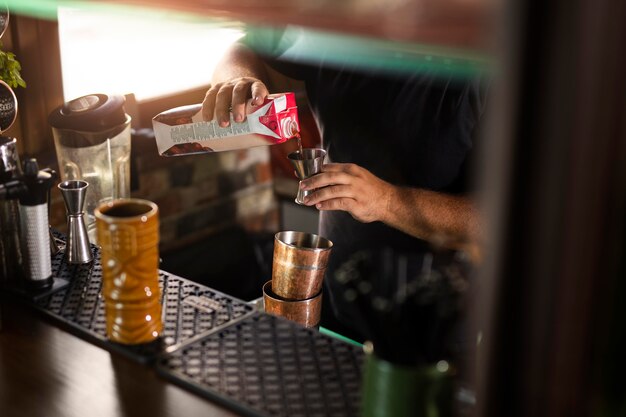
(128, 232)
(299, 264)
(305, 312)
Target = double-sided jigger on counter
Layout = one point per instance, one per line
(306, 163)
(298, 268)
(77, 250)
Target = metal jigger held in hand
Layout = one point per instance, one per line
(77, 250)
(306, 163)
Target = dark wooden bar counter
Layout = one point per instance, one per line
(46, 371)
(215, 351)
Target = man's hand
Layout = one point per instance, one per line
(231, 96)
(350, 188)
(446, 220)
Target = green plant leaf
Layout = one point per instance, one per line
(10, 69)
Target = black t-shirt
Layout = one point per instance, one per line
(413, 130)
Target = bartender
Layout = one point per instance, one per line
(399, 148)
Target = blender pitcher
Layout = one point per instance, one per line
(92, 141)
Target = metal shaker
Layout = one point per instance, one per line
(34, 226)
(92, 141)
(77, 249)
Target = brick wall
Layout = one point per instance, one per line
(199, 195)
(218, 212)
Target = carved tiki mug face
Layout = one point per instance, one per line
(128, 232)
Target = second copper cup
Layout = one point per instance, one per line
(306, 312)
(299, 264)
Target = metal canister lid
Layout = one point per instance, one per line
(90, 113)
(9, 158)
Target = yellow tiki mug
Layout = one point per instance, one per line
(128, 233)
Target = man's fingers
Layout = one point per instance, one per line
(240, 95)
(325, 179)
(224, 98)
(330, 193)
(333, 167)
(223, 102)
(351, 169)
(343, 204)
(259, 92)
(208, 104)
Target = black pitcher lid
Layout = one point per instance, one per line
(90, 113)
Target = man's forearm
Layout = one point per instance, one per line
(238, 62)
(443, 219)
(239, 76)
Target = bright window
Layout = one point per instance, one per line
(148, 54)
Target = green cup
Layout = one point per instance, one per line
(391, 390)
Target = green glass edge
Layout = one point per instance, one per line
(33, 8)
(339, 48)
(369, 53)
(330, 333)
(47, 9)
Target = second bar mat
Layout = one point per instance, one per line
(267, 366)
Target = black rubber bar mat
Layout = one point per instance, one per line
(268, 366)
(190, 310)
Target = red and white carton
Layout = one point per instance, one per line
(181, 131)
